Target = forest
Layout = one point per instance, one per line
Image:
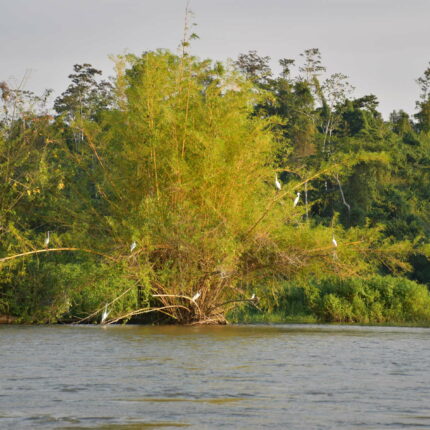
(192, 191)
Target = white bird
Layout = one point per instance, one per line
(334, 242)
(223, 274)
(104, 315)
(133, 246)
(277, 183)
(296, 200)
(47, 240)
(196, 296)
(252, 297)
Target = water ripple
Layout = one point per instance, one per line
(241, 377)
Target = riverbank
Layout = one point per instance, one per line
(378, 301)
(278, 318)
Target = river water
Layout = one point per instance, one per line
(234, 377)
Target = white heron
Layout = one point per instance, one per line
(252, 297)
(296, 200)
(277, 183)
(334, 241)
(223, 274)
(133, 246)
(196, 296)
(47, 240)
(105, 314)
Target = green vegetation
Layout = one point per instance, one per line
(178, 177)
(374, 300)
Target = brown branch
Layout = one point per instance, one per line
(145, 311)
(234, 301)
(179, 296)
(39, 251)
(100, 309)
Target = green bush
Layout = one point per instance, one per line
(50, 289)
(374, 300)
(379, 299)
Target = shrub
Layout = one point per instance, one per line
(379, 299)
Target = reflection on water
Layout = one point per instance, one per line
(295, 377)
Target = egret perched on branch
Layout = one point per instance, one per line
(296, 200)
(104, 315)
(133, 246)
(196, 296)
(334, 242)
(277, 183)
(47, 240)
(223, 274)
(252, 297)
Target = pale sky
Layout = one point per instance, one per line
(382, 45)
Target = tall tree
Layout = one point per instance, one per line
(423, 106)
(86, 96)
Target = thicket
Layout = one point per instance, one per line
(174, 187)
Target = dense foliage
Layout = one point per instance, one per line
(186, 187)
(373, 300)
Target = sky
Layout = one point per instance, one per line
(382, 45)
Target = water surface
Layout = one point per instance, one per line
(235, 377)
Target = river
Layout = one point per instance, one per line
(234, 377)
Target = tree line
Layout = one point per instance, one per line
(182, 188)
